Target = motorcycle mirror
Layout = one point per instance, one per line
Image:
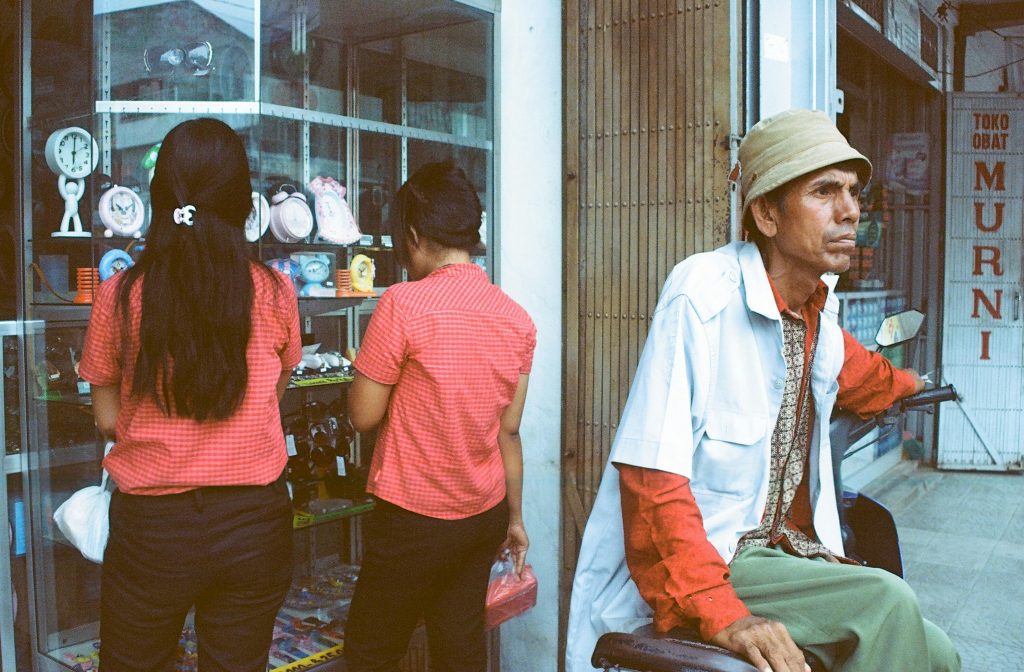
(899, 328)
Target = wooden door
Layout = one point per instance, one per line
(647, 132)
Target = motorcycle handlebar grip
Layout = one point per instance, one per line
(929, 397)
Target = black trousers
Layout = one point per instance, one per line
(225, 550)
(416, 566)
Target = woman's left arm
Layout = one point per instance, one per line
(106, 404)
(367, 402)
(511, 447)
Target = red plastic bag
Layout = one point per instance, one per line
(507, 594)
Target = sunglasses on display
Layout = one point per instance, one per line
(195, 59)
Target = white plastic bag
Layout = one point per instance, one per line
(84, 517)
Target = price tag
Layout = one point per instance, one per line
(289, 445)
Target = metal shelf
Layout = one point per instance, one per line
(61, 312)
(326, 306)
(285, 112)
(305, 384)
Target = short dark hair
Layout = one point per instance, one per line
(441, 205)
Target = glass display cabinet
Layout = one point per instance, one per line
(336, 100)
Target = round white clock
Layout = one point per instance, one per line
(291, 220)
(72, 152)
(122, 212)
(259, 219)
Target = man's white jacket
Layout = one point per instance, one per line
(703, 405)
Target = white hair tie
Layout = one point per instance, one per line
(183, 215)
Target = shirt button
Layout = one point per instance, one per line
(733, 276)
(779, 383)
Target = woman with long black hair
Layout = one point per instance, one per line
(188, 353)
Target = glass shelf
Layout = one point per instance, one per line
(305, 383)
(303, 519)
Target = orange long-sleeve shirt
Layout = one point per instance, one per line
(675, 567)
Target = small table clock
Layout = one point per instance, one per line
(72, 154)
(291, 220)
(258, 221)
(363, 272)
(114, 261)
(313, 270)
(122, 212)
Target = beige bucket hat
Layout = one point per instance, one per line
(788, 145)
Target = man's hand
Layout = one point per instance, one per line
(766, 644)
(918, 380)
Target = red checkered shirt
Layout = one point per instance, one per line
(453, 346)
(159, 455)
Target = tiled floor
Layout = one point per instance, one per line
(962, 536)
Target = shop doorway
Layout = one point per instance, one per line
(888, 112)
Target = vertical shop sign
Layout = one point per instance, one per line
(983, 346)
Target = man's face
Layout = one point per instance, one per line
(815, 229)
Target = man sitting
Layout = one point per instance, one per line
(720, 478)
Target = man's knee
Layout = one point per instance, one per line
(941, 652)
(896, 599)
(889, 593)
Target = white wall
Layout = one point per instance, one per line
(530, 244)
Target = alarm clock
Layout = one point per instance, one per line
(122, 212)
(334, 220)
(71, 152)
(114, 262)
(258, 221)
(290, 217)
(363, 272)
(313, 270)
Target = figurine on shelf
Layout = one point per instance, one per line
(71, 192)
(71, 153)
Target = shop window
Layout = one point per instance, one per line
(352, 94)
